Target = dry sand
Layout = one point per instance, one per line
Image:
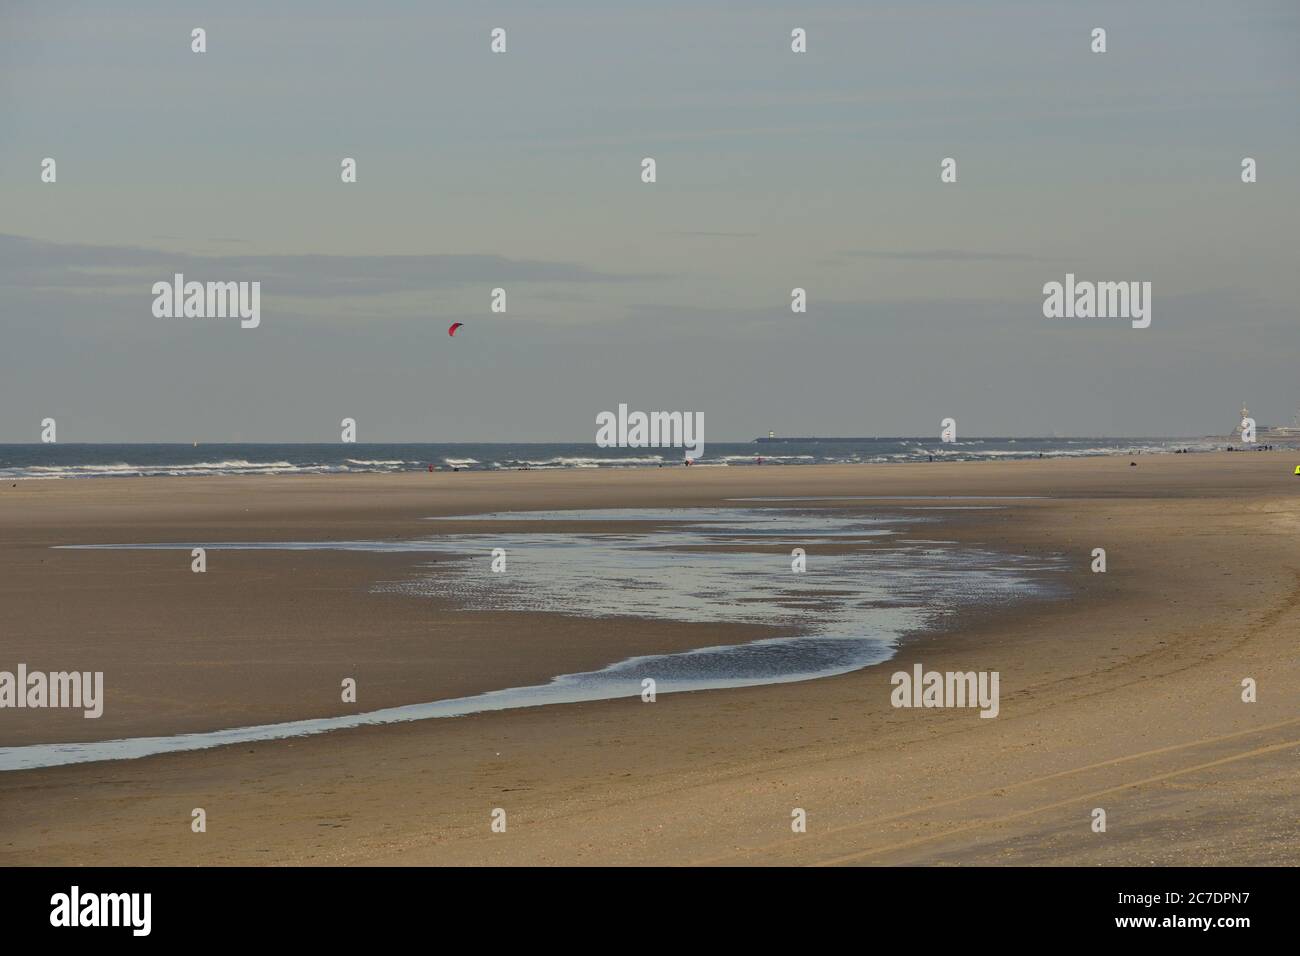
(1125, 696)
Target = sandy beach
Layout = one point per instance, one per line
(1124, 694)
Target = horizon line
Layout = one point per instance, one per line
(719, 441)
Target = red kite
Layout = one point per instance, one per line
(454, 327)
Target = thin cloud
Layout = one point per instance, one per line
(713, 235)
(941, 255)
(35, 263)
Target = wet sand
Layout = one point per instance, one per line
(1124, 696)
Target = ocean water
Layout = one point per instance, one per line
(888, 577)
(100, 461)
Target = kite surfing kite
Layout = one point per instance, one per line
(454, 327)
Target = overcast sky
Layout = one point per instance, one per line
(522, 170)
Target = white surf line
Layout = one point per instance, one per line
(606, 684)
(899, 498)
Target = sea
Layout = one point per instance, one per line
(70, 460)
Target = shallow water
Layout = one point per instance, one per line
(847, 611)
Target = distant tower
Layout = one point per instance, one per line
(772, 434)
(1245, 413)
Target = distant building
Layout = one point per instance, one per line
(1270, 434)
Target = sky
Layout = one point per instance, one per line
(522, 171)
